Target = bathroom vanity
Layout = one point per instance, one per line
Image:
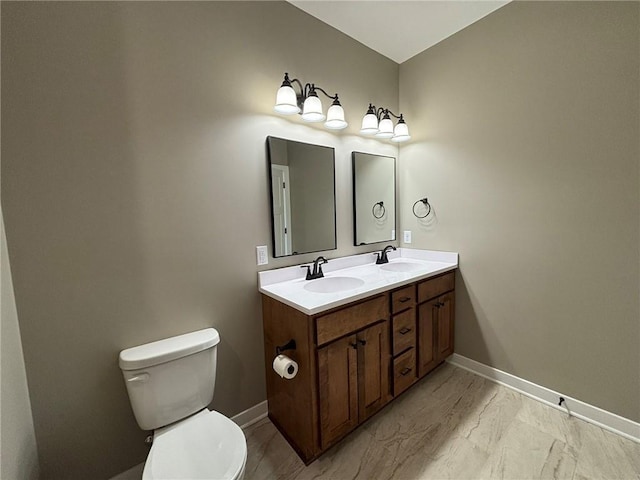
(358, 345)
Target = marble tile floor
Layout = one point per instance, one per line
(455, 425)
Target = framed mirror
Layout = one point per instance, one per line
(374, 198)
(303, 201)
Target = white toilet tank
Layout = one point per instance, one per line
(170, 379)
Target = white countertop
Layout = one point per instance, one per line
(287, 284)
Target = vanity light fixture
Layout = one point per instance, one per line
(377, 122)
(290, 102)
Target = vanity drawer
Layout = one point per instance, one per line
(404, 371)
(403, 298)
(404, 331)
(435, 286)
(350, 319)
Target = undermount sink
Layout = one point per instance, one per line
(333, 284)
(400, 267)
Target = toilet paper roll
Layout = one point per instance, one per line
(285, 367)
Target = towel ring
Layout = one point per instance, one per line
(373, 210)
(426, 204)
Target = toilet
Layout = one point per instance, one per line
(170, 383)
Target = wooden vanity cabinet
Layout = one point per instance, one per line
(435, 321)
(353, 381)
(293, 405)
(352, 359)
(353, 370)
(403, 345)
(338, 389)
(343, 370)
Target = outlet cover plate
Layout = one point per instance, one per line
(262, 255)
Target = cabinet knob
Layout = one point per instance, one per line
(353, 345)
(362, 342)
(404, 330)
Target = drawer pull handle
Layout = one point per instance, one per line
(404, 330)
(404, 299)
(405, 371)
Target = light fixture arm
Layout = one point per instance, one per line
(306, 89)
(399, 117)
(332, 97)
(295, 80)
(380, 111)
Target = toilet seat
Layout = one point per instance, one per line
(207, 445)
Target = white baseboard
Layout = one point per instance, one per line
(251, 415)
(584, 411)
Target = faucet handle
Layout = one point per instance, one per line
(319, 273)
(308, 267)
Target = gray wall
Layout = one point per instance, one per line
(135, 189)
(19, 453)
(526, 141)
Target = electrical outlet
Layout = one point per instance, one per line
(262, 255)
(407, 236)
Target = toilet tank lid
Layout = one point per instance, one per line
(168, 349)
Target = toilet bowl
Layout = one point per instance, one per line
(206, 445)
(170, 383)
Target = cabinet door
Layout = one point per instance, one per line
(338, 389)
(445, 325)
(427, 336)
(373, 369)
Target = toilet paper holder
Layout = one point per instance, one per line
(290, 345)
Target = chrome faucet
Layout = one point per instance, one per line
(382, 256)
(317, 268)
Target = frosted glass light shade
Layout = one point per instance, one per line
(335, 118)
(401, 133)
(286, 101)
(312, 110)
(385, 128)
(369, 124)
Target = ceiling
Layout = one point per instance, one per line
(399, 29)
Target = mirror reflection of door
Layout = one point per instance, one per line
(302, 191)
(281, 209)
